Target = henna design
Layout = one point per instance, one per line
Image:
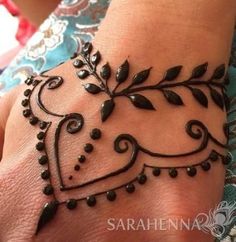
(123, 143)
(164, 86)
(51, 83)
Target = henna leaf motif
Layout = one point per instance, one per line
(47, 214)
(219, 72)
(140, 101)
(82, 74)
(200, 96)
(141, 77)
(107, 108)
(172, 73)
(87, 48)
(105, 71)
(95, 59)
(217, 98)
(226, 79)
(226, 102)
(122, 72)
(172, 97)
(199, 71)
(92, 88)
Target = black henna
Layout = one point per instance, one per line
(51, 83)
(168, 82)
(123, 143)
(74, 125)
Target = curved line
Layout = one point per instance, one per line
(80, 119)
(119, 171)
(104, 192)
(39, 100)
(201, 133)
(185, 166)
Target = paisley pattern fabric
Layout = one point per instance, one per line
(62, 34)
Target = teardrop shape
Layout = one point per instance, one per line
(200, 97)
(199, 71)
(172, 73)
(82, 74)
(107, 108)
(106, 71)
(226, 102)
(217, 98)
(92, 88)
(219, 72)
(78, 63)
(122, 72)
(141, 77)
(47, 214)
(140, 101)
(226, 79)
(226, 130)
(95, 59)
(172, 97)
(87, 48)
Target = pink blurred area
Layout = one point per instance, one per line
(15, 31)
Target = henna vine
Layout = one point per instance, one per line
(74, 122)
(133, 89)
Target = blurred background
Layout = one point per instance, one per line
(8, 29)
(19, 20)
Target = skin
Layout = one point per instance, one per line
(189, 34)
(36, 11)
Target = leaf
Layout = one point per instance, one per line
(82, 74)
(199, 71)
(173, 97)
(219, 72)
(47, 214)
(78, 63)
(87, 48)
(92, 88)
(226, 130)
(172, 73)
(226, 79)
(217, 98)
(105, 71)
(95, 59)
(140, 101)
(122, 72)
(107, 108)
(141, 76)
(226, 102)
(200, 96)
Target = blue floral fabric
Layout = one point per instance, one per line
(62, 34)
(58, 38)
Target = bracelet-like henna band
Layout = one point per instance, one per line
(74, 122)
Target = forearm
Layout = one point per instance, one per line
(166, 32)
(36, 11)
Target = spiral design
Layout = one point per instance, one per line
(196, 129)
(124, 138)
(54, 82)
(75, 124)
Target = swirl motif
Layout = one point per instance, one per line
(74, 125)
(52, 83)
(123, 143)
(117, 147)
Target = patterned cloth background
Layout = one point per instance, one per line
(62, 34)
